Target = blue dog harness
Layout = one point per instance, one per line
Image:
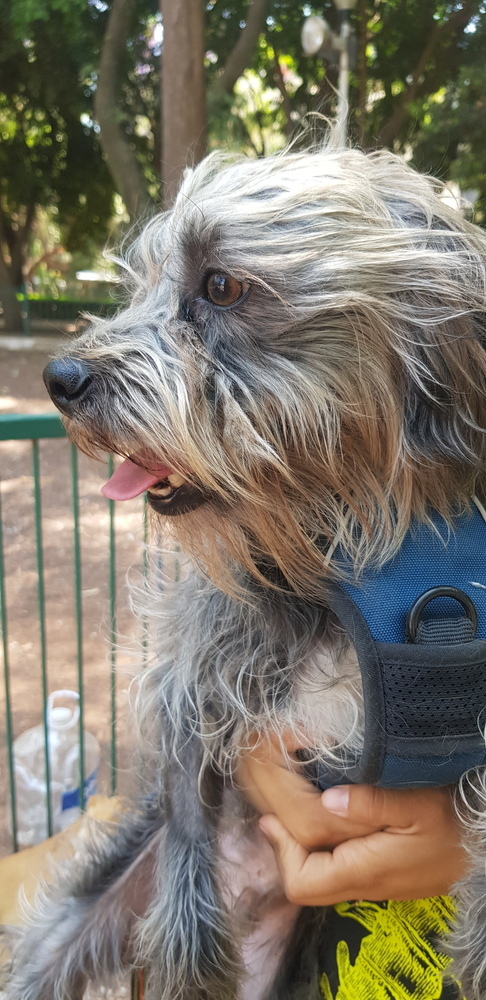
(419, 629)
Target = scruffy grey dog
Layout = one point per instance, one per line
(302, 363)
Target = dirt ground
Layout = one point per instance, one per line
(22, 391)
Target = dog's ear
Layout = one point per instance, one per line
(438, 333)
(444, 406)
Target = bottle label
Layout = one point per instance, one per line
(70, 800)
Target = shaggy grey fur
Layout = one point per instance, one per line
(336, 395)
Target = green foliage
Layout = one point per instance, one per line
(282, 67)
(25, 13)
(423, 75)
(49, 53)
(140, 94)
(49, 154)
(452, 139)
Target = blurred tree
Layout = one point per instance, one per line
(451, 140)
(407, 50)
(251, 19)
(183, 91)
(290, 85)
(412, 50)
(417, 86)
(49, 154)
(182, 88)
(111, 115)
(76, 73)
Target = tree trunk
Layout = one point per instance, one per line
(362, 71)
(183, 90)
(120, 157)
(240, 56)
(13, 243)
(11, 309)
(286, 102)
(10, 282)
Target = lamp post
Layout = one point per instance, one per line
(319, 39)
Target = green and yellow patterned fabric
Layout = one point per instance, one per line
(389, 951)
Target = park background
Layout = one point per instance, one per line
(102, 104)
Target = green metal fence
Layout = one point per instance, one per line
(32, 309)
(67, 309)
(36, 430)
(31, 433)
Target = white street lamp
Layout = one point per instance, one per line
(317, 37)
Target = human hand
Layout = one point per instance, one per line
(264, 777)
(415, 853)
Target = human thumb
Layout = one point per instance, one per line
(374, 806)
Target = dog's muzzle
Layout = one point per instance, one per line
(168, 492)
(67, 381)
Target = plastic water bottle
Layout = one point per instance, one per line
(30, 774)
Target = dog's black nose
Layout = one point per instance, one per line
(67, 381)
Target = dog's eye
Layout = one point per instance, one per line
(224, 290)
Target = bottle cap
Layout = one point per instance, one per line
(61, 716)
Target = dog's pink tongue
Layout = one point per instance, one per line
(129, 480)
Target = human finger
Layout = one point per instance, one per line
(296, 802)
(404, 809)
(387, 864)
(322, 878)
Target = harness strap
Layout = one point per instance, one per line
(446, 630)
(424, 699)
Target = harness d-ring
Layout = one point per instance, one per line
(418, 606)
